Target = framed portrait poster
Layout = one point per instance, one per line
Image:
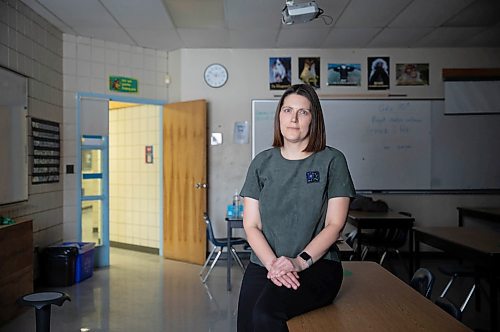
(412, 74)
(280, 73)
(309, 71)
(344, 74)
(378, 73)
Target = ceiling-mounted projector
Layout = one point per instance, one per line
(300, 12)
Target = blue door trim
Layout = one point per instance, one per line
(78, 170)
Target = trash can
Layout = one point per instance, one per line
(59, 265)
(84, 264)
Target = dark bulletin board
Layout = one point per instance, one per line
(403, 145)
(46, 151)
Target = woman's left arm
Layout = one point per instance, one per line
(336, 216)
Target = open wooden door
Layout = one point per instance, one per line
(185, 177)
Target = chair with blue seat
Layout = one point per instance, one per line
(423, 281)
(449, 307)
(219, 245)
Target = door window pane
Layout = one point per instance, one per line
(92, 221)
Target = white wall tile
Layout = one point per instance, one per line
(98, 54)
(83, 52)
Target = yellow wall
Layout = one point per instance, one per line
(134, 186)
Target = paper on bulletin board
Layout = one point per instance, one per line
(240, 135)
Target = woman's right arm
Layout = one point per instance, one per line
(253, 229)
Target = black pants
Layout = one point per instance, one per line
(263, 306)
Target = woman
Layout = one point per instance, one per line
(296, 198)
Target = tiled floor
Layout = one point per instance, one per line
(144, 292)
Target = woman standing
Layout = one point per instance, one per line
(296, 198)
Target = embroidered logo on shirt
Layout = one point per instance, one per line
(312, 176)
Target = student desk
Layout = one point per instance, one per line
(484, 213)
(373, 220)
(231, 223)
(373, 299)
(480, 246)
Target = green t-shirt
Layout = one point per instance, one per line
(293, 197)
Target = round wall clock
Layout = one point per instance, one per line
(215, 75)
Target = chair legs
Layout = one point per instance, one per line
(237, 259)
(204, 276)
(212, 266)
(448, 285)
(207, 261)
(469, 294)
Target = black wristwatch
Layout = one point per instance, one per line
(305, 256)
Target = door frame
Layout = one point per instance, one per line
(78, 162)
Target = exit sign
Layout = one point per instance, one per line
(123, 84)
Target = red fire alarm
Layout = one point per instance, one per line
(149, 154)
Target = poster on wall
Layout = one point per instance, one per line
(309, 71)
(280, 73)
(343, 74)
(412, 74)
(378, 73)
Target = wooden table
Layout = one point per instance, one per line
(480, 246)
(373, 299)
(374, 220)
(485, 213)
(231, 223)
(16, 267)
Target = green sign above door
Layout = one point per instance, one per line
(123, 84)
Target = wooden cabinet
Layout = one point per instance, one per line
(16, 267)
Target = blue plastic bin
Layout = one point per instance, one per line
(84, 260)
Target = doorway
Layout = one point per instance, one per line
(184, 208)
(135, 179)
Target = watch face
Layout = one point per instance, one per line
(305, 256)
(216, 75)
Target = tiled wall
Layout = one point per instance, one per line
(134, 198)
(87, 65)
(33, 47)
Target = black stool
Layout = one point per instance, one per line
(42, 302)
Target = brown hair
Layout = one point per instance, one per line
(317, 133)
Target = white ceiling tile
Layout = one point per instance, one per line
(370, 14)
(165, 40)
(486, 38)
(425, 13)
(350, 37)
(477, 14)
(300, 38)
(204, 38)
(447, 37)
(261, 38)
(143, 14)
(196, 13)
(78, 14)
(398, 37)
(173, 24)
(260, 14)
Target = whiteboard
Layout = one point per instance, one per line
(402, 145)
(13, 137)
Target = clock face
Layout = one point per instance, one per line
(215, 75)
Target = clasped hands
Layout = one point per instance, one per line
(284, 271)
